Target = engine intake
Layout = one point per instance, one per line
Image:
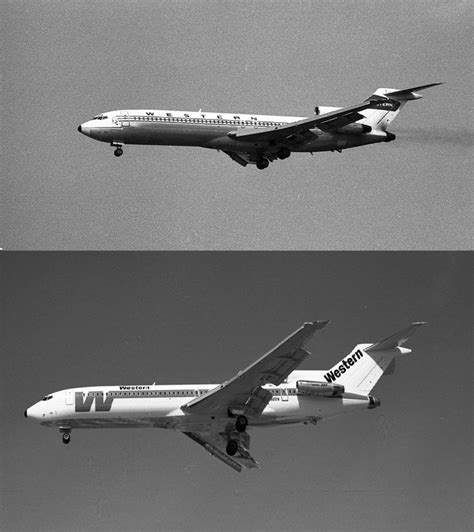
(322, 389)
(373, 402)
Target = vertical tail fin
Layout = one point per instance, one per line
(363, 367)
(380, 119)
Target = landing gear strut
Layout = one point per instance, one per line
(118, 151)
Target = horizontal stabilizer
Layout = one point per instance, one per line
(395, 340)
(409, 94)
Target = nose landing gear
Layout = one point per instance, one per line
(66, 432)
(118, 151)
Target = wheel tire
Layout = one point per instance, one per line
(262, 164)
(118, 152)
(232, 447)
(283, 153)
(66, 438)
(241, 424)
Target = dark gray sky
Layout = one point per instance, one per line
(96, 318)
(66, 61)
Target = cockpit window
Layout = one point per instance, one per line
(47, 397)
(99, 117)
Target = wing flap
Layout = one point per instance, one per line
(214, 451)
(213, 443)
(271, 368)
(325, 122)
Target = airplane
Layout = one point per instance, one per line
(252, 138)
(267, 393)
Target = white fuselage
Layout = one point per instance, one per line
(210, 130)
(160, 406)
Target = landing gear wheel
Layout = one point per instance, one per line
(241, 424)
(283, 153)
(66, 437)
(232, 447)
(262, 164)
(118, 152)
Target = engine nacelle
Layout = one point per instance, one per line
(322, 389)
(354, 129)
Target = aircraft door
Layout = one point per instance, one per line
(284, 394)
(69, 397)
(125, 121)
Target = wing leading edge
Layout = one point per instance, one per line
(325, 122)
(243, 393)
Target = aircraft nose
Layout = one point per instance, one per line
(79, 129)
(26, 413)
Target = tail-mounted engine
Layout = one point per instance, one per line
(322, 389)
(354, 129)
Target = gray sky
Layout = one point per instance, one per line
(96, 318)
(66, 61)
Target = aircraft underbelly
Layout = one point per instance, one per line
(169, 134)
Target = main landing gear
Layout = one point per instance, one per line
(237, 435)
(66, 435)
(232, 447)
(118, 151)
(283, 153)
(262, 164)
(241, 424)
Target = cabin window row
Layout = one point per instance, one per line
(201, 121)
(170, 393)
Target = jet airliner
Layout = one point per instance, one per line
(254, 138)
(269, 392)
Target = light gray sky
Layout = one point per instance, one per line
(66, 61)
(96, 318)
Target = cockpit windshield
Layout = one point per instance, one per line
(47, 398)
(99, 117)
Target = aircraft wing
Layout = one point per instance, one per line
(215, 444)
(244, 158)
(244, 393)
(325, 122)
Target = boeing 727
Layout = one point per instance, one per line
(269, 392)
(254, 138)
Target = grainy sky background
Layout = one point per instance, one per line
(96, 318)
(66, 61)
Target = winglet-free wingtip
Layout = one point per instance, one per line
(317, 324)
